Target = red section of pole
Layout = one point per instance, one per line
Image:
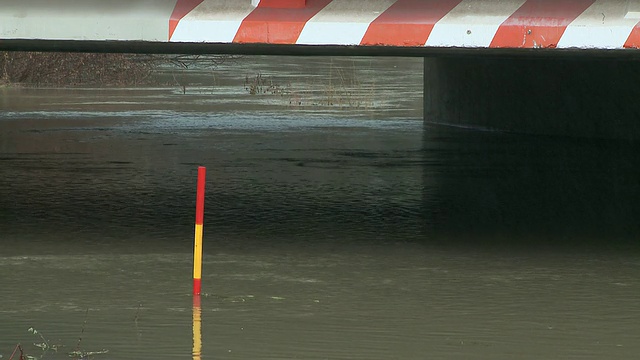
(202, 171)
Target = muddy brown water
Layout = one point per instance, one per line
(334, 229)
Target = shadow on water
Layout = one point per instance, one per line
(503, 188)
(320, 184)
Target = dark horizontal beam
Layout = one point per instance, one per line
(146, 47)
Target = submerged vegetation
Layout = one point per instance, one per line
(337, 86)
(340, 87)
(44, 347)
(69, 69)
(103, 69)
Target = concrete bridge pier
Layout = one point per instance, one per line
(562, 95)
(535, 188)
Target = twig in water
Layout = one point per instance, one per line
(135, 320)
(85, 355)
(86, 315)
(18, 347)
(44, 345)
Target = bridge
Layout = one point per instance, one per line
(556, 67)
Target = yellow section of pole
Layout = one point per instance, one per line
(197, 257)
(197, 329)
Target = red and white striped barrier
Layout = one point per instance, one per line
(588, 24)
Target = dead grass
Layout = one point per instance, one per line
(72, 69)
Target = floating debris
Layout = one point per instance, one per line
(85, 354)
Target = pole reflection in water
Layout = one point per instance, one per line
(197, 328)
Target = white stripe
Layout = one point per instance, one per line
(473, 23)
(212, 21)
(342, 22)
(602, 25)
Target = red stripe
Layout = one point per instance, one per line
(277, 26)
(182, 8)
(407, 22)
(633, 41)
(292, 4)
(197, 286)
(539, 23)
(202, 171)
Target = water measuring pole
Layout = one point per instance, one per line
(197, 246)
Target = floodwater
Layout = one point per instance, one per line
(336, 225)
